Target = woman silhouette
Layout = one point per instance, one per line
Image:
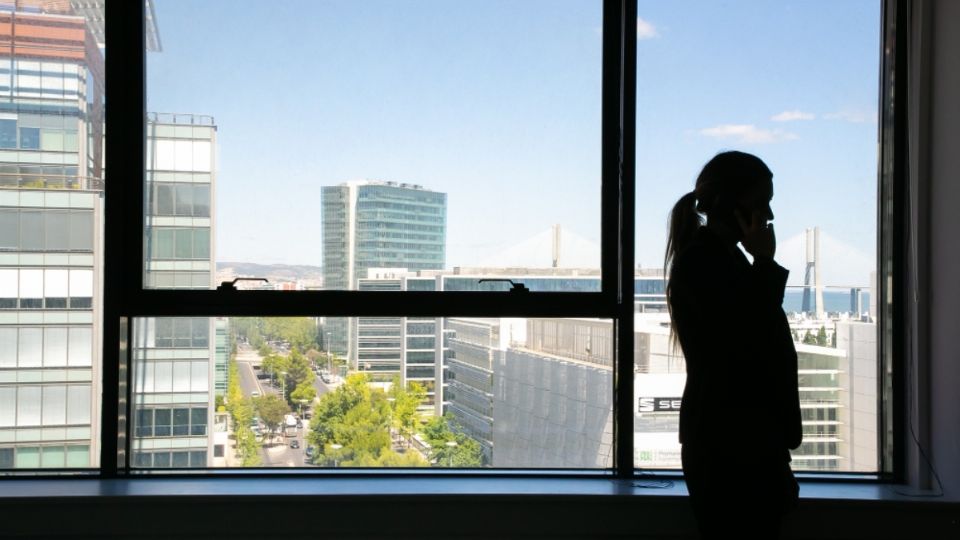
(740, 413)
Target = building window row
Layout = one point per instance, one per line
(44, 405)
(30, 347)
(34, 288)
(180, 243)
(181, 199)
(46, 230)
(166, 459)
(171, 422)
(47, 456)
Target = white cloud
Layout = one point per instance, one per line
(790, 116)
(748, 133)
(646, 30)
(855, 117)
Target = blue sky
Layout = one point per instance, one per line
(497, 103)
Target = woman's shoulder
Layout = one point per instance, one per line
(701, 253)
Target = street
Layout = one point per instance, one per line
(275, 452)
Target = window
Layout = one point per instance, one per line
(766, 97)
(538, 207)
(8, 133)
(30, 138)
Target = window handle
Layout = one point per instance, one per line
(232, 285)
(515, 287)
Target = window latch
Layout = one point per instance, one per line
(515, 287)
(232, 285)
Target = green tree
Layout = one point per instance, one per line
(440, 430)
(299, 332)
(298, 372)
(389, 458)
(822, 336)
(247, 447)
(357, 418)
(404, 402)
(304, 394)
(249, 329)
(271, 409)
(274, 365)
(809, 338)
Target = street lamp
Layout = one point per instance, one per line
(329, 355)
(336, 447)
(393, 406)
(451, 445)
(301, 402)
(283, 385)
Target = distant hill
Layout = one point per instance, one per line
(281, 272)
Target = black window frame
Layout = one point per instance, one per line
(125, 297)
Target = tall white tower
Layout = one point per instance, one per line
(812, 278)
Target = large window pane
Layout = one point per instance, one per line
(55, 347)
(81, 231)
(27, 458)
(164, 200)
(31, 347)
(78, 456)
(31, 230)
(54, 405)
(8, 347)
(31, 288)
(58, 231)
(9, 288)
(28, 406)
(479, 393)
(9, 229)
(795, 83)
(8, 133)
(8, 406)
(81, 347)
(493, 109)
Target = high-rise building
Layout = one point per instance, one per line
(51, 126)
(175, 368)
(51, 230)
(369, 224)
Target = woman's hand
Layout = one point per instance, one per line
(758, 237)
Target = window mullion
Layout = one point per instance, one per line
(124, 159)
(623, 387)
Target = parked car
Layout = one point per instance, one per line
(295, 444)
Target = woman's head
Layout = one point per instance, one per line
(734, 181)
(730, 182)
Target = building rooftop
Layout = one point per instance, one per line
(390, 183)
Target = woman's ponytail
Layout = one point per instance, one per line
(684, 221)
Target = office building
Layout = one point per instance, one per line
(179, 365)
(553, 394)
(51, 156)
(371, 224)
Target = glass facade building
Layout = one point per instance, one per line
(51, 199)
(368, 224)
(179, 363)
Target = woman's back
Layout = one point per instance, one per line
(741, 363)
